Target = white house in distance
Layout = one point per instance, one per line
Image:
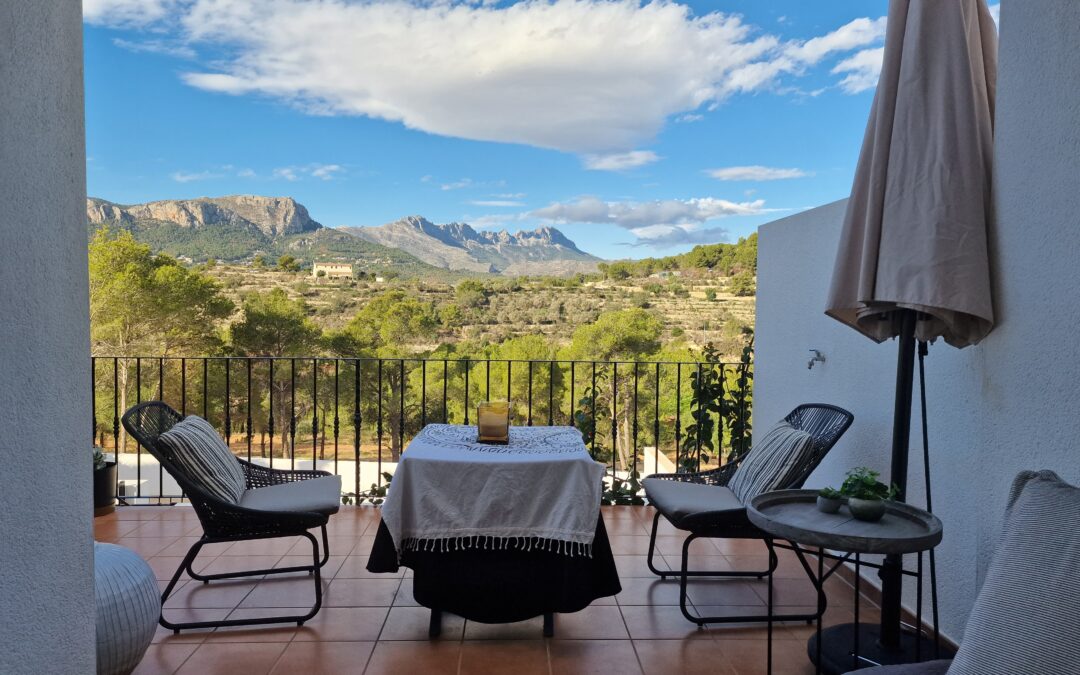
(332, 270)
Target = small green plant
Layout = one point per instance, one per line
(99, 459)
(830, 493)
(863, 483)
(375, 495)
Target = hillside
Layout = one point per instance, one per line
(457, 246)
(240, 227)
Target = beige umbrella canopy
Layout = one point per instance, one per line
(915, 232)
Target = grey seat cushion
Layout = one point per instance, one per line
(939, 667)
(696, 507)
(1024, 618)
(319, 495)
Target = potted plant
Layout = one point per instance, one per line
(104, 483)
(866, 495)
(829, 500)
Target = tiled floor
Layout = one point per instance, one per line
(370, 623)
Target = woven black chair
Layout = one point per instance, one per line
(701, 504)
(226, 522)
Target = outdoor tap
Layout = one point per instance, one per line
(818, 357)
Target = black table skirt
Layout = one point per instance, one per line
(505, 585)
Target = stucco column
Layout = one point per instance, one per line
(46, 554)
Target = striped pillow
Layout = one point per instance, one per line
(1024, 618)
(205, 459)
(773, 462)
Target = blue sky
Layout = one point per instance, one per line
(637, 129)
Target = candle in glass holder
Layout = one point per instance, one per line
(493, 422)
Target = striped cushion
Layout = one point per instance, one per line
(1024, 619)
(205, 459)
(773, 462)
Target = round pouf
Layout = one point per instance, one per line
(128, 607)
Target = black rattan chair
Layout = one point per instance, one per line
(701, 504)
(226, 522)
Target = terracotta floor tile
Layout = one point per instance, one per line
(274, 632)
(720, 591)
(404, 596)
(636, 566)
(530, 629)
(749, 657)
(328, 571)
(624, 526)
(213, 658)
(596, 657)
(234, 563)
(670, 546)
(526, 657)
(625, 544)
(224, 594)
(165, 566)
(788, 566)
(165, 528)
(362, 592)
(343, 624)
(324, 657)
(701, 562)
(648, 591)
(659, 623)
(164, 659)
(263, 547)
(137, 513)
(682, 657)
(113, 529)
(742, 630)
(429, 658)
(355, 567)
(146, 547)
(596, 622)
(290, 591)
(164, 635)
(412, 623)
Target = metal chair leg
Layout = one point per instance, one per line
(298, 619)
(700, 573)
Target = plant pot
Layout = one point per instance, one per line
(870, 510)
(829, 504)
(105, 489)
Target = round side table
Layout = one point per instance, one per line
(792, 515)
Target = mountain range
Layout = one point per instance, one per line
(457, 246)
(241, 226)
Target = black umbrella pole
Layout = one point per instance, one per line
(891, 576)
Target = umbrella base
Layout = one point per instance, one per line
(837, 643)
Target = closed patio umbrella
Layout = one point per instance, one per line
(912, 261)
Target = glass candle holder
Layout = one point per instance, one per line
(493, 422)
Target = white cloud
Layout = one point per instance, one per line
(689, 117)
(755, 173)
(163, 47)
(245, 173)
(861, 70)
(286, 173)
(326, 171)
(126, 13)
(594, 77)
(457, 185)
(502, 203)
(636, 216)
(192, 176)
(666, 236)
(620, 161)
(510, 195)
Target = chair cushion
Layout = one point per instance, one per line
(773, 463)
(696, 507)
(205, 459)
(1024, 618)
(321, 495)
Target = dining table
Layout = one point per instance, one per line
(497, 533)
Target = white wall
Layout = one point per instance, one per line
(1010, 403)
(46, 559)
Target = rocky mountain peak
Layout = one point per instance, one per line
(273, 216)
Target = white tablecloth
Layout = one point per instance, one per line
(450, 492)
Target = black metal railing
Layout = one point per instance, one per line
(352, 416)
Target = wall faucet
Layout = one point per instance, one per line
(818, 357)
